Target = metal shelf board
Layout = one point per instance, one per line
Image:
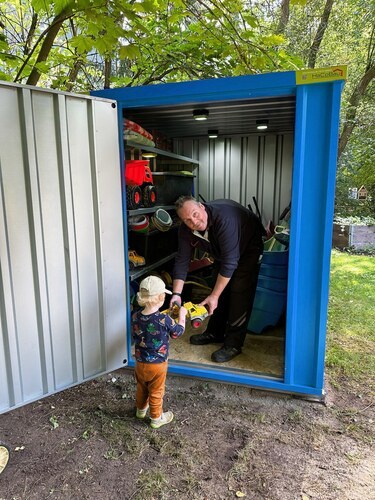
(161, 152)
(136, 273)
(149, 210)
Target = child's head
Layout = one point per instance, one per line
(151, 291)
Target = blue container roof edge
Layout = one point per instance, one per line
(237, 87)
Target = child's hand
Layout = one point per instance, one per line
(174, 311)
(182, 312)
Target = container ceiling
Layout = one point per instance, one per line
(228, 117)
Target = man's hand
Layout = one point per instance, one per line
(211, 303)
(212, 300)
(175, 299)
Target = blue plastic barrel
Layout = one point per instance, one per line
(268, 308)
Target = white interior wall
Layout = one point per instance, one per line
(242, 167)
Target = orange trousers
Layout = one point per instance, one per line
(150, 379)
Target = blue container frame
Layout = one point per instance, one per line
(313, 188)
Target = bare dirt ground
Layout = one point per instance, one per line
(225, 442)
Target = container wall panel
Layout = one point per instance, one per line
(62, 302)
(242, 167)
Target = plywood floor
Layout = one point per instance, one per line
(262, 354)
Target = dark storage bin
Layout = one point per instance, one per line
(171, 185)
(154, 245)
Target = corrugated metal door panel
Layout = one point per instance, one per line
(88, 266)
(110, 227)
(242, 167)
(50, 209)
(22, 307)
(62, 281)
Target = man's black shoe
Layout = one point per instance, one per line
(204, 339)
(225, 354)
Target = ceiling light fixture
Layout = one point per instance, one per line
(149, 154)
(213, 134)
(262, 124)
(200, 114)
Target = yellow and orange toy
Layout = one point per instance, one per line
(195, 312)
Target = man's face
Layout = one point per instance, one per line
(194, 215)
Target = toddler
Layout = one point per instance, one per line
(151, 330)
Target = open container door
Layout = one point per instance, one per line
(62, 280)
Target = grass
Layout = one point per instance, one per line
(351, 317)
(151, 484)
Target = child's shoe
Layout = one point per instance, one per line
(141, 413)
(165, 418)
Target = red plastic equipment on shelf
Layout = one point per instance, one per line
(139, 184)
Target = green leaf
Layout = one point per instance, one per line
(10, 60)
(42, 67)
(259, 62)
(248, 35)
(129, 52)
(83, 43)
(5, 77)
(302, 3)
(239, 70)
(250, 20)
(147, 6)
(39, 5)
(104, 45)
(270, 40)
(60, 5)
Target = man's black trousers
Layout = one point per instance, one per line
(230, 319)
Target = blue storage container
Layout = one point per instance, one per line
(280, 272)
(271, 283)
(269, 300)
(268, 308)
(259, 321)
(277, 258)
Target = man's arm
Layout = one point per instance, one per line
(212, 300)
(178, 286)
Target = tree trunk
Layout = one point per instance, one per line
(314, 49)
(45, 49)
(73, 73)
(107, 72)
(30, 34)
(354, 100)
(284, 17)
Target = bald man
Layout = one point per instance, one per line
(232, 235)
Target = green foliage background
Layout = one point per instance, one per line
(80, 45)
